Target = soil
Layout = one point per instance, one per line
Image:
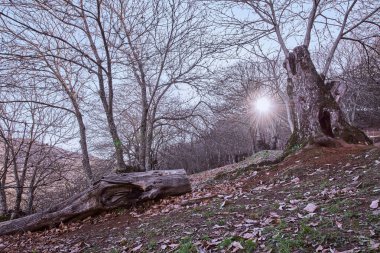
(317, 200)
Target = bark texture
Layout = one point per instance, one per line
(316, 113)
(112, 191)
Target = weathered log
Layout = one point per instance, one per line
(112, 191)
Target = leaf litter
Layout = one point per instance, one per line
(320, 200)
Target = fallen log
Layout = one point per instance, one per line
(112, 191)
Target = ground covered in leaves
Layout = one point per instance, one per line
(319, 200)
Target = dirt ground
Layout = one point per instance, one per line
(318, 200)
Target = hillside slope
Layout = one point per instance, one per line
(319, 200)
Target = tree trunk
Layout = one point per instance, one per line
(20, 181)
(112, 191)
(316, 113)
(143, 140)
(83, 136)
(83, 144)
(30, 200)
(143, 128)
(149, 144)
(31, 189)
(3, 179)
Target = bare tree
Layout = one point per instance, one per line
(285, 22)
(358, 90)
(64, 22)
(162, 47)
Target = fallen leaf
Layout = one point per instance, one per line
(291, 207)
(173, 245)
(217, 226)
(137, 248)
(314, 224)
(248, 236)
(345, 251)
(237, 245)
(249, 221)
(319, 248)
(374, 245)
(310, 208)
(374, 204)
(274, 215)
(294, 201)
(295, 180)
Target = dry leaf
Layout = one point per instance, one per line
(137, 248)
(313, 224)
(237, 245)
(248, 236)
(374, 245)
(295, 180)
(319, 248)
(374, 204)
(173, 245)
(310, 208)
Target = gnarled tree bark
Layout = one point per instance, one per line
(112, 191)
(317, 115)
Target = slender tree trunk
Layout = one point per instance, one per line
(106, 99)
(3, 196)
(31, 190)
(3, 202)
(82, 128)
(317, 115)
(19, 188)
(143, 136)
(20, 184)
(83, 144)
(121, 166)
(30, 200)
(149, 144)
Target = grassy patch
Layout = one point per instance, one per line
(208, 214)
(333, 208)
(152, 245)
(284, 241)
(186, 246)
(248, 245)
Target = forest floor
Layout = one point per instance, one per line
(318, 200)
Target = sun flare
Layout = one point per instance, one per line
(263, 105)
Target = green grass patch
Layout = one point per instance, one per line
(248, 245)
(186, 246)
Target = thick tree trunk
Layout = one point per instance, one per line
(112, 191)
(316, 113)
